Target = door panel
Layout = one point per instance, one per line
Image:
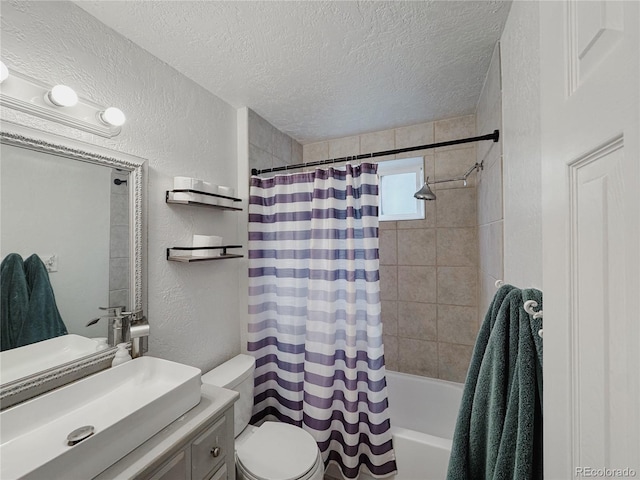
(591, 223)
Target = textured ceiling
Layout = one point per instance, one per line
(323, 69)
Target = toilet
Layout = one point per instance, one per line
(274, 450)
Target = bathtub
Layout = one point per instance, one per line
(423, 415)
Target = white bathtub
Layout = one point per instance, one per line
(423, 415)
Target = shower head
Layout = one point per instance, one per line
(425, 192)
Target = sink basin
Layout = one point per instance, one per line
(126, 405)
(21, 362)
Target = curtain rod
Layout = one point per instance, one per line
(491, 136)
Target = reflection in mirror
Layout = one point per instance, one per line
(75, 216)
(71, 241)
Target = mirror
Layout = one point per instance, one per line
(74, 212)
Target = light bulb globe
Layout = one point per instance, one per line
(113, 116)
(63, 96)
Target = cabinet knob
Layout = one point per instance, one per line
(215, 452)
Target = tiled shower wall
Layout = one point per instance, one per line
(269, 147)
(428, 268)
(119, 242)
(490, 211)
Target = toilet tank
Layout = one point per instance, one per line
(236, 374)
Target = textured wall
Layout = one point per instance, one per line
(522, 157)
(302, 64)
(490, 216)
(180, 128)
(428, 268)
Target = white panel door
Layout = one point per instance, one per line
(591, 229)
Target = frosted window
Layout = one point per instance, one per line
(399, 180)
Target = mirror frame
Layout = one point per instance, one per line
(20, 136)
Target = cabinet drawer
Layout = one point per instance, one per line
(221, 474)
(177, 468)
(208, 450)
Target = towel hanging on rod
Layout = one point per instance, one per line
(529, 306)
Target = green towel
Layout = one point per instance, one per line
(43, 318)
(15, 300)
(499, 429)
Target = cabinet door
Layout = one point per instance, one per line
(177, 468)
(209, 450)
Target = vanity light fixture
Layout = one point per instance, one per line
(112, 116)
(4, 72)
(62, 96)
(59, 104)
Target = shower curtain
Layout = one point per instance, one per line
(314, 305)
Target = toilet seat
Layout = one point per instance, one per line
(278, 451)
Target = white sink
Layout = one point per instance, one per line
(126, 405)
(24, 361)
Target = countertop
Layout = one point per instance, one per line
(213, 402)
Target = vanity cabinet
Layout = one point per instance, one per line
(197, 446)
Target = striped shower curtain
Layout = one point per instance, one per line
(314, 304)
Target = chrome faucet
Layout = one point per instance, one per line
(125, 327)
(119, 322)
(139, 334)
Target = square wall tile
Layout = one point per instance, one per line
(119, 297)
(418, 357)
(389, 316)
(312, 152)
(414, 135)
(390, 343)
(259, 159)
(377, 141)
(387, 225)
(118, 273)
(457, 247)
(490, 242)
(417, 284)
(488, 155)
(260, 132)
(487, 290)
(453, 361)
(456, 207)
(454, 163)
(296, 153)
(344, 147)
(388, 282)
(282, 147)
(457, 285)
(490, 194)
(388, 247)
(417, 246)
(119, 209)
(457, 324)
(417, 320)
(119, 241)
(454, 129)
(428, 222)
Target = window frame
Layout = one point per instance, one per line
(396, 167)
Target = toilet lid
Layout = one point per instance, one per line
(278, 451)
